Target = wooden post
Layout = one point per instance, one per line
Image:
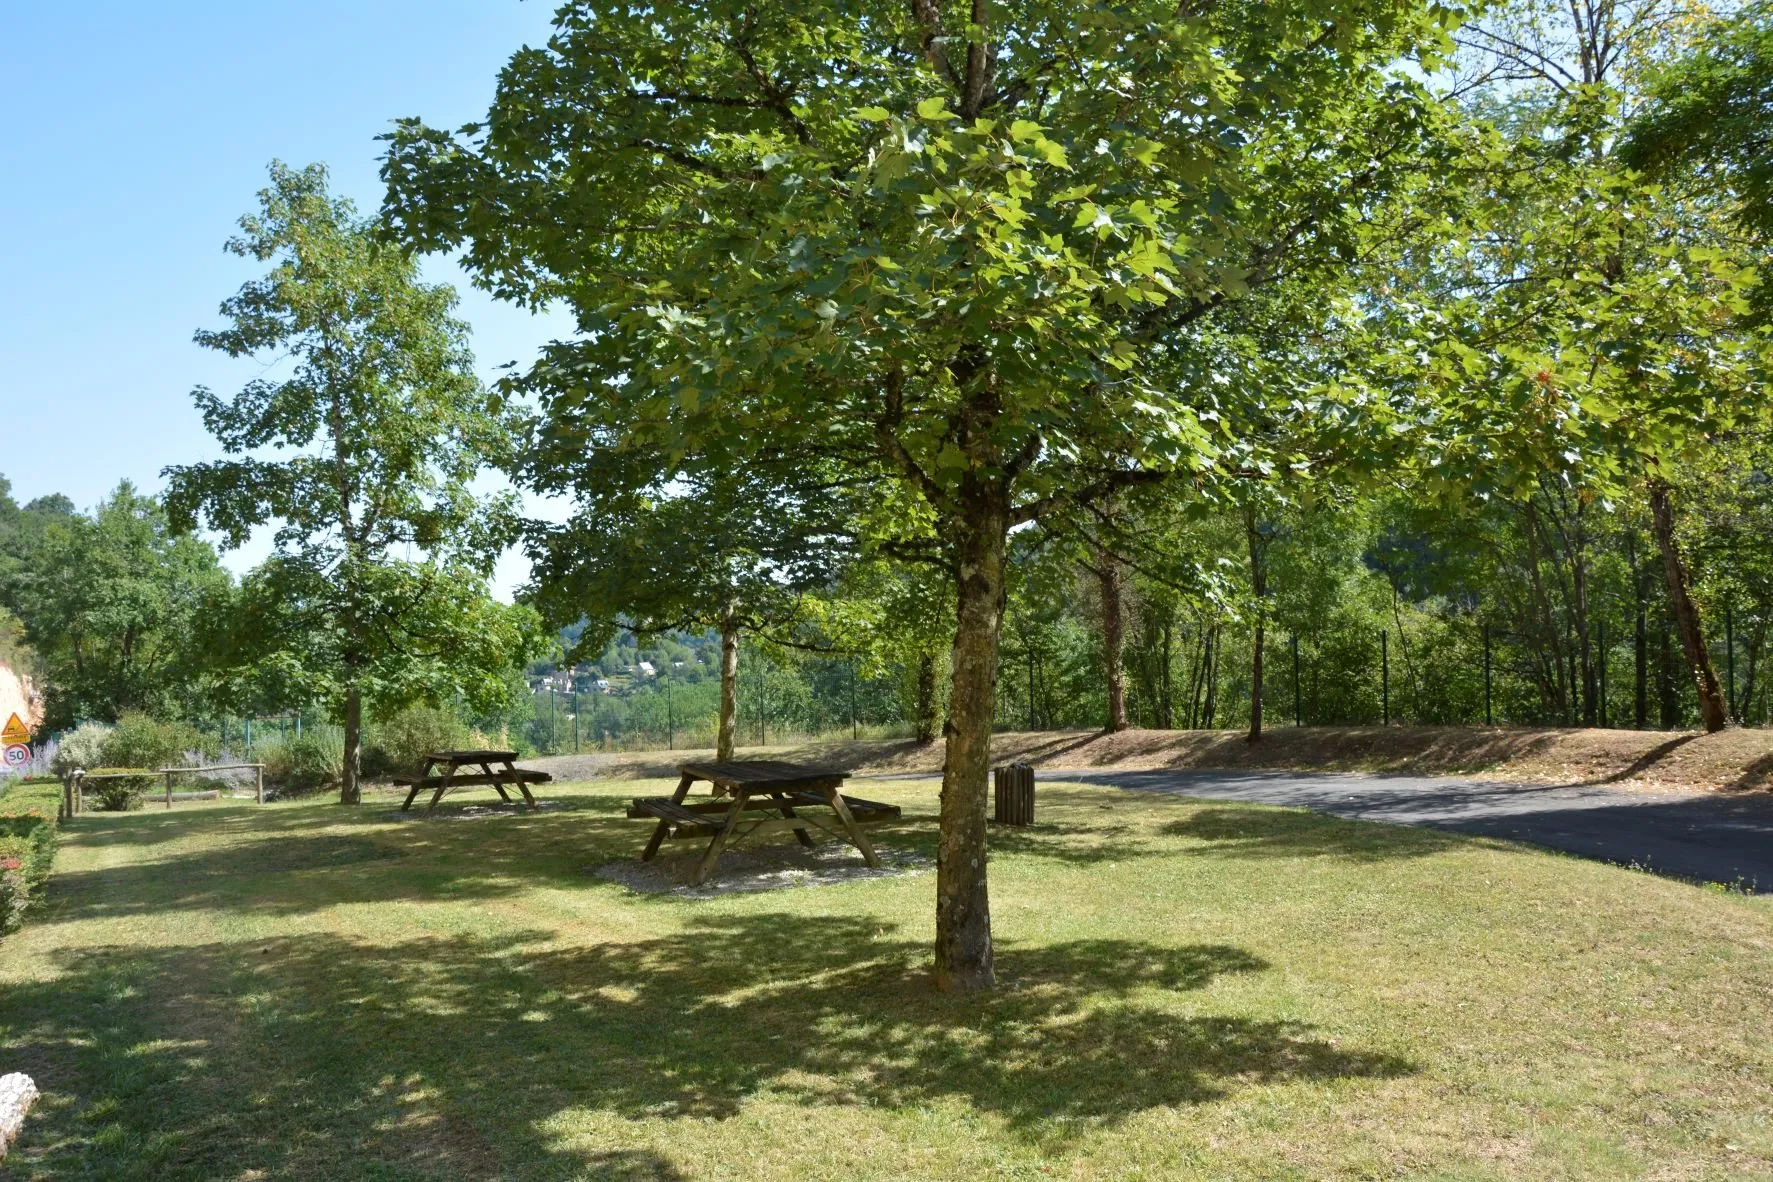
(169, 789)
(67, 813)
(259, 768)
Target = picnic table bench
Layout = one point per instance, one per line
(443, 771)
(753, 798)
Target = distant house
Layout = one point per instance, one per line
(603, 685)
(647, 670)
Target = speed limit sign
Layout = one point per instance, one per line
(17, 756)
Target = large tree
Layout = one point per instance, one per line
(966, 244)
(360, 458)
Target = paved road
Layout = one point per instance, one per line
(1699, 836)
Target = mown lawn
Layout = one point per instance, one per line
(1188, 989)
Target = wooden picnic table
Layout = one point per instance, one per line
(752, 798)
(443, 771)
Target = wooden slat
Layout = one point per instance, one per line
(760, 773)
(468, 756)
(480, 779)
(668, 810)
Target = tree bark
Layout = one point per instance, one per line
(963, 913)
(350, 787)
(1113, 639)
(1712, 711)
(1259, 588)
(926, 698)
(729, 686)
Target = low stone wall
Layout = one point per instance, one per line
(17, 1094)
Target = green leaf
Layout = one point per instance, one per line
(935, 107)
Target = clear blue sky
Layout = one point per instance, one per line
(139, 133)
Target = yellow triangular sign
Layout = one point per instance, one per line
(16, 731)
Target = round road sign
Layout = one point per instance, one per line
(17, 755)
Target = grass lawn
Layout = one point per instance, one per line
(1188, 989)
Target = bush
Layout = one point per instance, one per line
(121, 789)
(27, 848)
(82, 747)
(298, 766)
(141, 741)
(403, 741)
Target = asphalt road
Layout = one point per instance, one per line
(1703, 837)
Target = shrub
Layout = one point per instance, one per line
(139, 740)
(403, 741)
(121, 788)
(82, 747)
(27, 848)
(297, 766)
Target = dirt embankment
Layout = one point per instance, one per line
(1734, 760)
(16, 697)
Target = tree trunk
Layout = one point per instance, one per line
(1212, 675)
(1259, 588)
(1712, 710)
(350, 790)
(1113, 640)
(729, 686)
(963, 911)
(926, 698)
(1640, 642)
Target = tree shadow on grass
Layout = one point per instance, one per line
(313, 1055)
(291, 863)
(1297, 833)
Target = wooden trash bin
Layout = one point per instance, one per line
(1014, 795)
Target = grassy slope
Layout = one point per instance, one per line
(1188, 989)
(1734, 760)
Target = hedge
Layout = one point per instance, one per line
(27, 846)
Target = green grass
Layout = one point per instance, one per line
(1188, 989)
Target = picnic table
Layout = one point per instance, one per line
(443, 771)
(752, 798)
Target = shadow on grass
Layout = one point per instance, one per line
(1295, 833)
(287, 861)
(313, 1055)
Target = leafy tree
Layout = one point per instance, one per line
(110, 603)
(963, 245)
(1590, 326)
(375, 436)
(727, 551)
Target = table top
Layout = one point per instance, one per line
(760, 773)
(469, 756)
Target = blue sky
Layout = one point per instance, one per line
(139, 134)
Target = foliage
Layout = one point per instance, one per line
(119, 789)
(110, 602)
(28, 837)
(379, 429)
(82, 747)
(400, 742)
(139, 740)
(300, 765)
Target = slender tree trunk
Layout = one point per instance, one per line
(350, 788)
(729, 686)
(1108, 575)
(1712, 711)
(1167, 706)
(1258, 588)
(1640, 641)
(1584, 639)
(1668, 701)
(1212, 678)
(926, 698)
(963, 910)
